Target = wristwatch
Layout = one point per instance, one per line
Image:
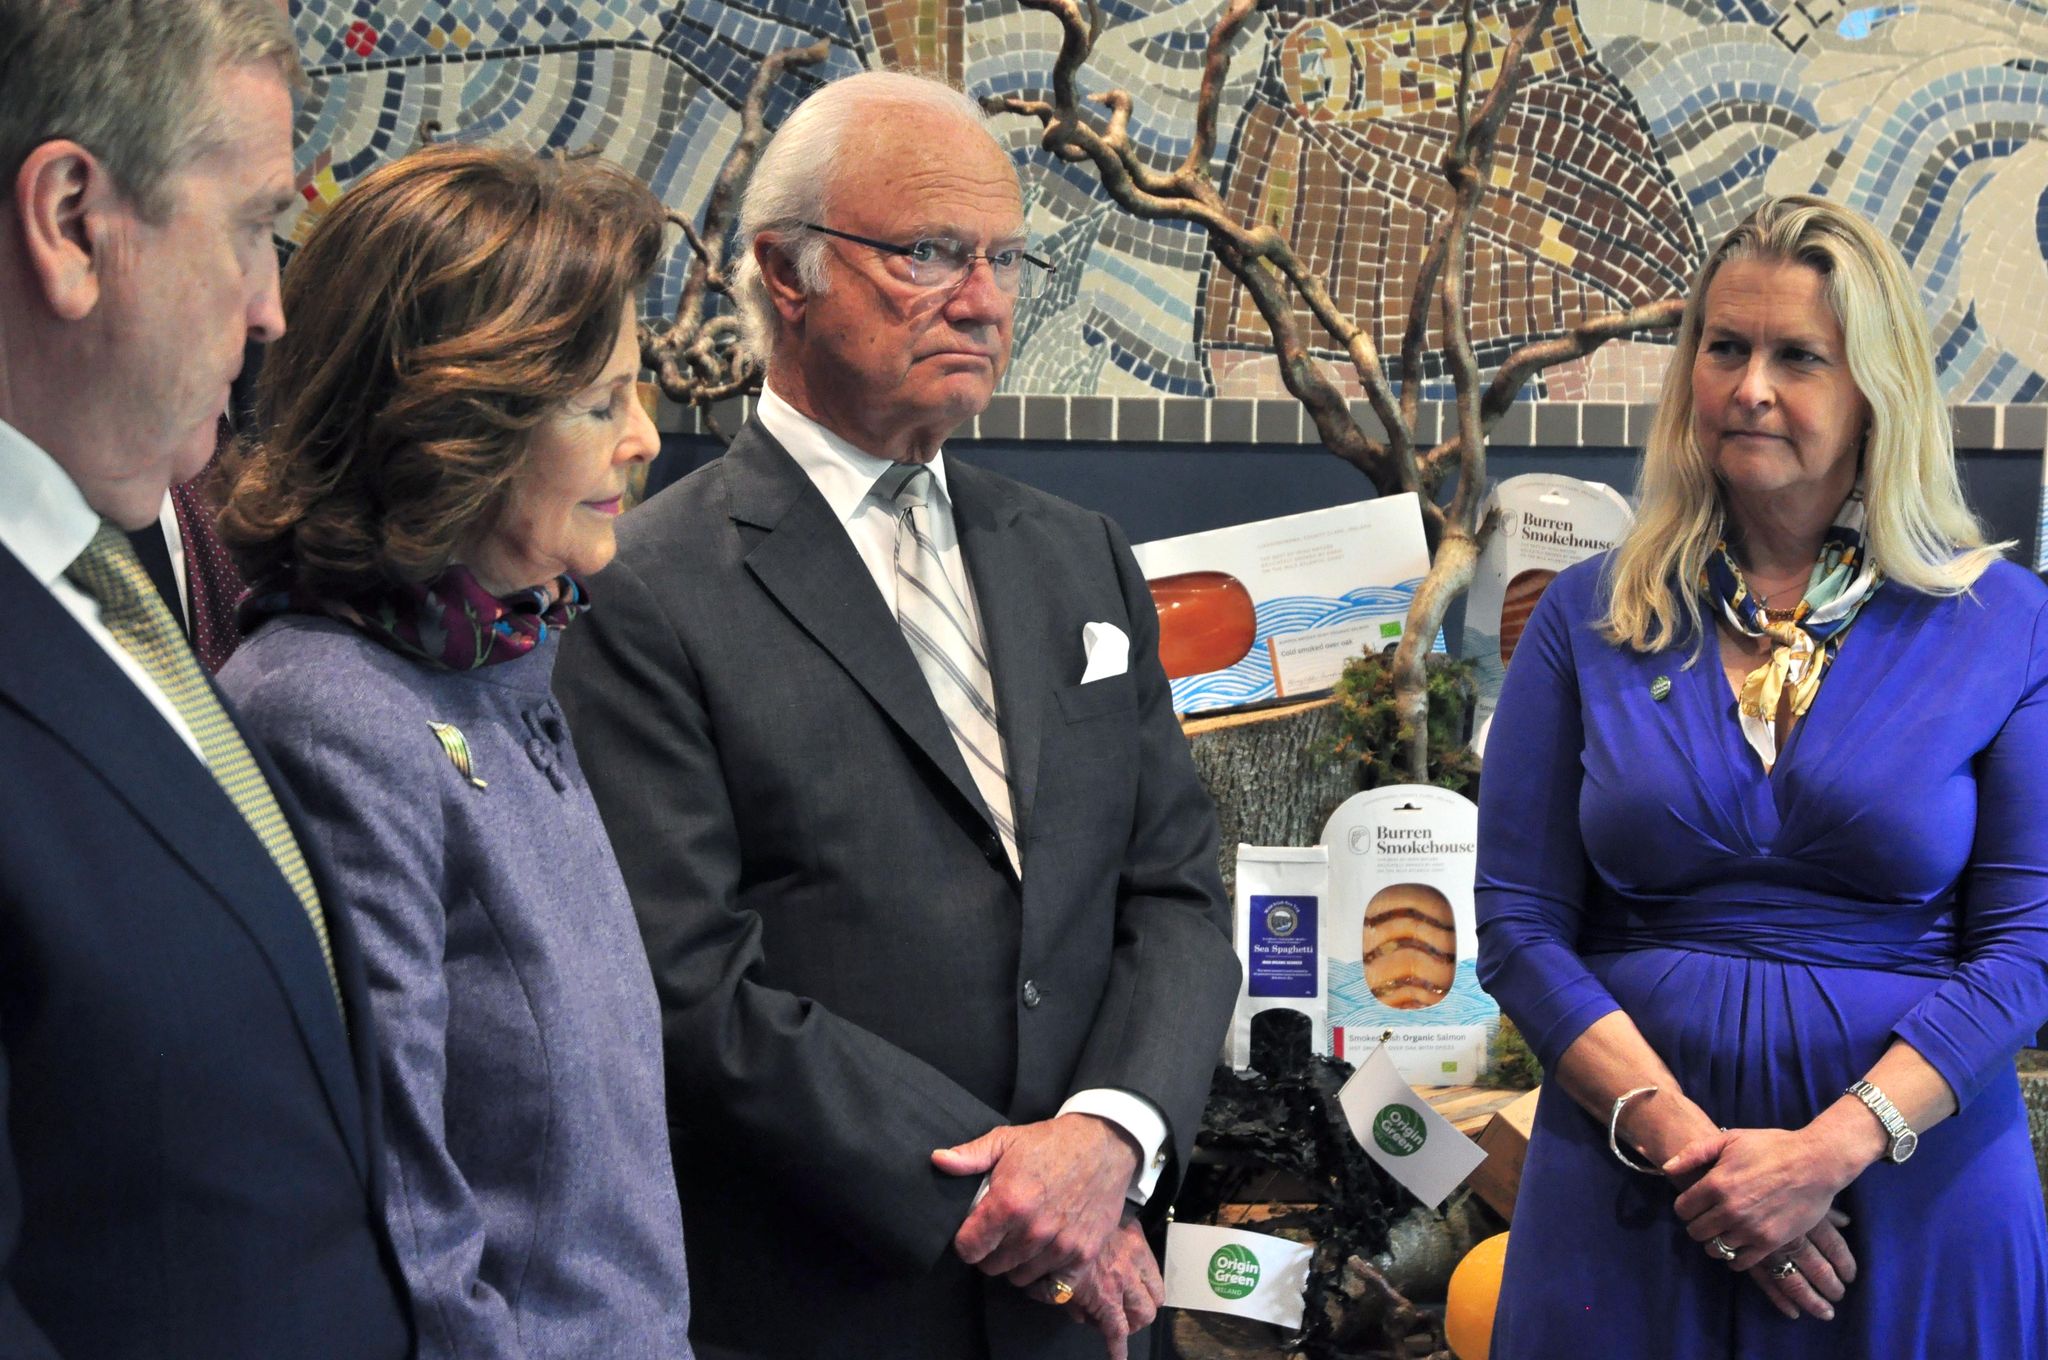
(1904, 1140)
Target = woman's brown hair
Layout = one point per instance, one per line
(435, 315)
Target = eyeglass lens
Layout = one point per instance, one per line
(940, 263)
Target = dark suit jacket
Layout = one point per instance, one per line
(850, 973)
(188, 1164)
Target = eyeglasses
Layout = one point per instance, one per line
(940, 262)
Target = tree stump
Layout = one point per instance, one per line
(2033, 1065)
(1271, 775)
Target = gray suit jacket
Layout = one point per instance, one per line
(850, 973)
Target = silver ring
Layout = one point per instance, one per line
(1784, 1270)
(1722, 1249)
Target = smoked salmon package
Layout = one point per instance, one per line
(1547, 522)
(1273, 609)
(1400, 947)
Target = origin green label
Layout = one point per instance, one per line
(1398, 1130)
(1233, 1271)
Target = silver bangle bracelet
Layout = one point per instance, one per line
(1613, 1125)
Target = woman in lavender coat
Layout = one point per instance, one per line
(451, 423)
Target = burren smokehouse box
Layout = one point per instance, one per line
(1401, 946)
(1547, 522)
(1273, 609)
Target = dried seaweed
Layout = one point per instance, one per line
(1283, 1117)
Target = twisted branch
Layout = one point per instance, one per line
(1280, 284)
(697, 358)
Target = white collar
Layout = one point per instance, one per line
(843, 474)
(44, 518)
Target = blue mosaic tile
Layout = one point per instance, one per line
(1728, 98)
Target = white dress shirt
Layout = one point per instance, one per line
(845, 476)
(174, 543)
(46, 523)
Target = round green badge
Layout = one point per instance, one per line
(1233, 1271)
(1398, 1130)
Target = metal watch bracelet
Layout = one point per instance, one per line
(1902, 1138)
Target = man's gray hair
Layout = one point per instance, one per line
(128, 80)
(794, 181)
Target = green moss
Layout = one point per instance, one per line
(1509, 1060)
(1369, 729)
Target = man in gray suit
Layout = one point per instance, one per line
(922, 864)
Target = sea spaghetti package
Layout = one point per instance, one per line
(1400, 946)
(1282, 897)
(1547, 522)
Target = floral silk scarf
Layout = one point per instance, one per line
(451, 621)
(1804, 646)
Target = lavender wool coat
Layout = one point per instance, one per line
(530, 1194)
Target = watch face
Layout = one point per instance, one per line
(1903, 1145)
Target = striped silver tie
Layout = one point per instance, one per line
(941, 633)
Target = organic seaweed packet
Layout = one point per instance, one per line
(1278, 925)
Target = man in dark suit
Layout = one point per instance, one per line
(188, 1149)
(921, 861)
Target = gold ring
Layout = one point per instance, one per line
(1062, 1292)
(1723, 1250)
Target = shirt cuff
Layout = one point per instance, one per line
(1139, 1118)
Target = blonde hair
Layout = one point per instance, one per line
(1918, 530)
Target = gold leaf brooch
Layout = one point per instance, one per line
(457, 746)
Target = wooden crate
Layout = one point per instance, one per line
(1469, 1108)
(1506, 1140)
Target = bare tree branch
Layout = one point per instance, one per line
(1281, 285)
(1575, 343)
(1215, 70)
(696, 357)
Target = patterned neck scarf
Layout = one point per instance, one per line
(451, 621)
(1803, 646)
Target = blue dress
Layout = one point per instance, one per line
(1770, 934)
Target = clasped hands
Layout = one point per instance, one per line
(1055, 1210)
(1768, 1194)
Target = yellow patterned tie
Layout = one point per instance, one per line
(136, 615)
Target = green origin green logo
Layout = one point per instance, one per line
(1398, 1130)
(1233, 1271)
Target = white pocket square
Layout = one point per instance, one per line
(1109, 651)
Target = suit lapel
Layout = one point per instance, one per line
(1017, 620)
(61, 679)
(805, 560)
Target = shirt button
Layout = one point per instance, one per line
(1031, 996)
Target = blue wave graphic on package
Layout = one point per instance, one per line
(1251, 679)
(1352, 1003)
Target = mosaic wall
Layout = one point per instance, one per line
(1645, 129)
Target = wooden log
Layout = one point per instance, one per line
(2034, 1096)
(1270, 775)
